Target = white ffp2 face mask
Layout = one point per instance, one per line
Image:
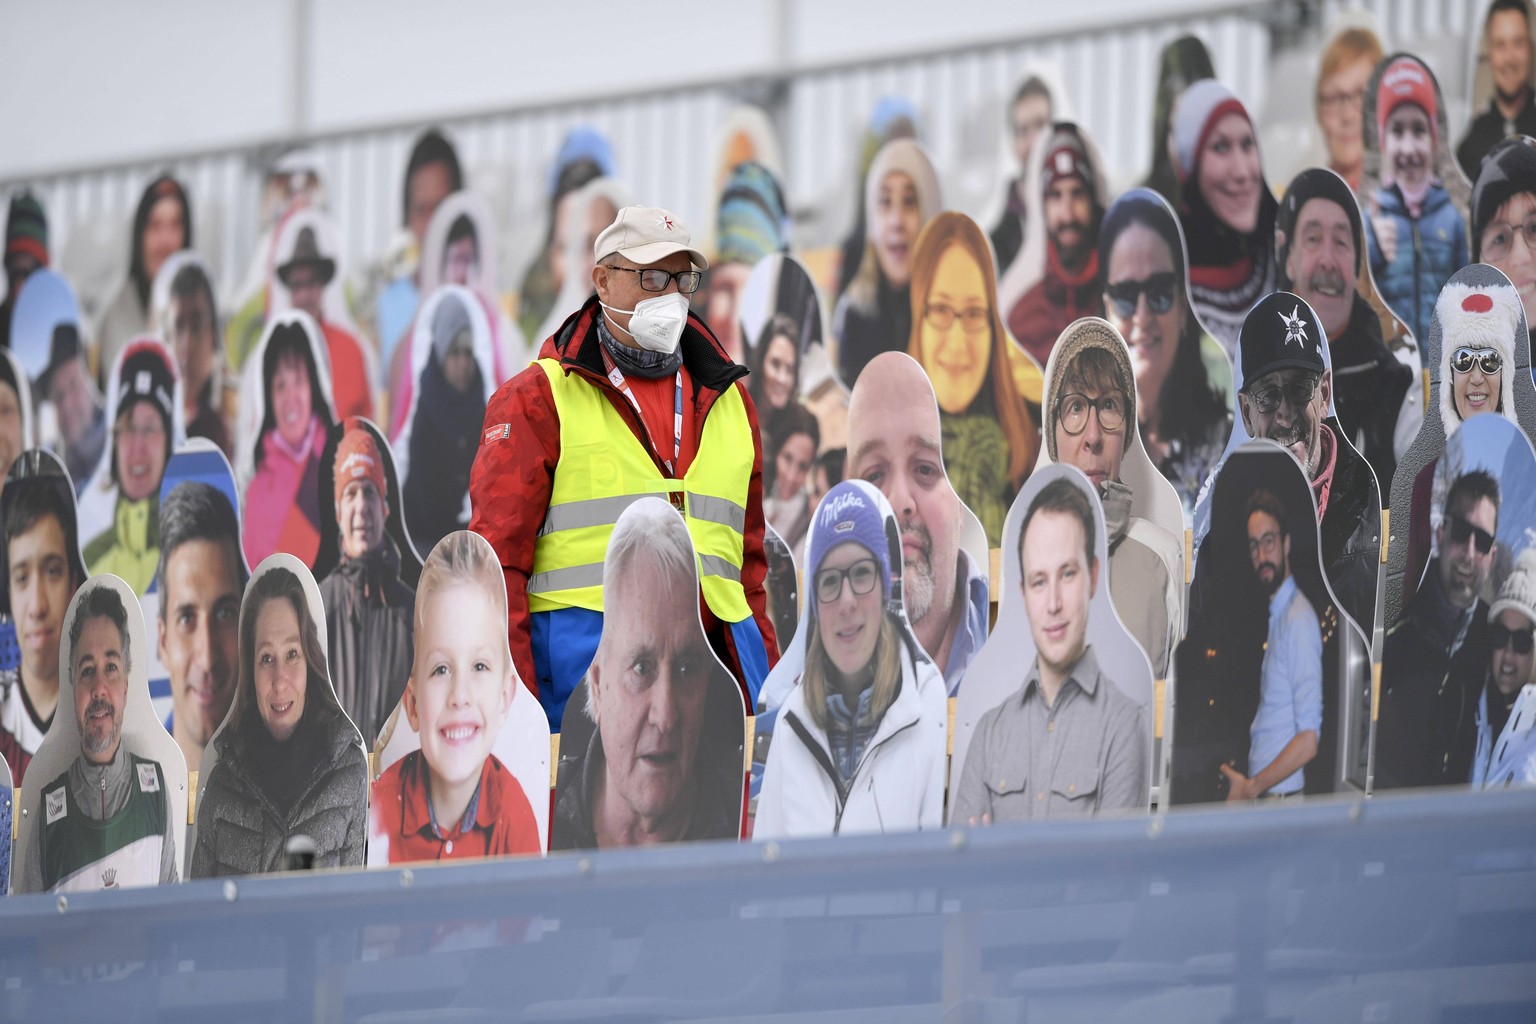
(656, 323)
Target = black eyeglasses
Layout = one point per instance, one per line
(1522, 640)
(863, 576)
(654, 279)
(1072, 412)
(1296, 394)
(1499, 237)
(1462, 528)
(1488, 359)
(973, 320)
(1158, 288)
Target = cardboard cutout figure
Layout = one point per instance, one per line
(1329, 118)
(7, 810)
(859, 739)
(782, 587)
(461, 248)
(285, 413)
(1183, 62)
(70, 416)
(1055, 719)
(1506, 709)
(896, 443)
(1478, 360)
(104, 803)
(1441, 666)
(1272, 691)
(1038, 100)
(592, 207)
(184, 313)
(752, 223)
(1412, 192)
(1320, 249)
(193, 610)
(1055, 279)
(874, 312)
(782, 322)
(1225, 206)
(1503, 81)
(453, 366)
(585, 154)
(1503, 202)
(16, 425)
(367, 569)
(1090, 422)
(1183, 377)
(40, 557)
(1284, 382)
(465, 761)
(651, 744)
(306, 273)
(287, 762)
(119, 520)
(981, 377)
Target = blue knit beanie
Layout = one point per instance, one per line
(853, 510)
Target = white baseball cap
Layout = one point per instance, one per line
(646, 235)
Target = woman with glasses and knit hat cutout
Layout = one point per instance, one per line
(860, 740)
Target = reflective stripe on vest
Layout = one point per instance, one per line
(604, 468)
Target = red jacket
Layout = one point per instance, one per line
(513, 476)
(1054, 303)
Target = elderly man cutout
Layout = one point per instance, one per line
(1286, 388)
(652, 771)
(1319, 245)
(107, 822)
(893, 443)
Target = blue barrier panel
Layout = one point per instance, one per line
(1400, 909)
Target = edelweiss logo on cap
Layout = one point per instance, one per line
(646, 235)
(1295, 328)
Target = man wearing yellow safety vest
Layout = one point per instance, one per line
(633, 395)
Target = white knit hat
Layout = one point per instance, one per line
(1519, 589)
(1198, 108)
(1477, 316)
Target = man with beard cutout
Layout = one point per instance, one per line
(1070, 287)
(107, 822)
(1319, 246)
(893, 443)
(1284, 397)
(1284, 734)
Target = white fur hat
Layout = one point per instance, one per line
(1519, 589)
(1477, 317)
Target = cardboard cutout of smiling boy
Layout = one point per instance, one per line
(651, 745)
(1412, 192)
(104, 803)
(287, 762)
(465, 758)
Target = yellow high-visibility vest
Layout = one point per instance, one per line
(604, 468)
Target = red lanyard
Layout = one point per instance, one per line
(616, 378)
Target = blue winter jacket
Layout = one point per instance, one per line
(1429, 250)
